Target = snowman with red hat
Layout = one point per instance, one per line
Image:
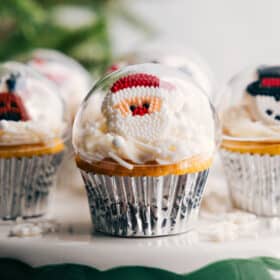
(263, 96)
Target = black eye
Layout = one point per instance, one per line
(2, 104)
(13, 104)
(132, 108)
(277, 117)
(269, 112)
(146, 105)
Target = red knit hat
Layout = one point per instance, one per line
(135, 80)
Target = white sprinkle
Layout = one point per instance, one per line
(120, 161)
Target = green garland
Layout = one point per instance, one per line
(232, 269)
(29, 24)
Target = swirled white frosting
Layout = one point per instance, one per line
(188, 130)
(238, 121)
(71, 78)
(44, 107)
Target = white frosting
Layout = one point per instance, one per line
(29, 132)
(239, 122)
(184, 127)
(71, 78)
(44, 107)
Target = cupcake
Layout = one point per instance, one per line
(74, 83)
(144, 150)
(71, 78)
(31, 140)
(251, 139)
(171, 55)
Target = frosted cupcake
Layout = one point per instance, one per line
(144, 150)
(71, 78)
(176, 56)
(74, 83)
(251, 139)
(31, 140)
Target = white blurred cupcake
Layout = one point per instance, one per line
(73, 82)
(32, 130)
(183, 59)
(250, 115)
(71, 78)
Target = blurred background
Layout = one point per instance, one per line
(227, 34)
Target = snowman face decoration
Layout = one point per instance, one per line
(136, 107)
(264, 96)
(269, 109)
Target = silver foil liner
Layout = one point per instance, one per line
(254, 182)
(144, 206)
(25, 185)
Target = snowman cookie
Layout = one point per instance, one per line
(136, 107)
(263, 96)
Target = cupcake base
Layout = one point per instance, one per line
(254, 181)
(25, 185)
(144, 206)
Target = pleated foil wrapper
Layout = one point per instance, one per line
(254, 182)
(25, 185)
(144, 206)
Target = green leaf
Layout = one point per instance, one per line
(28, 24)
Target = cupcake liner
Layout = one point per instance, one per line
(254, 182)
(25, 184)
(144, 206)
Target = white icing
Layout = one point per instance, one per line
(29, 132)
(183, 128)
(238, 122)
(71, 78)
(44, 107)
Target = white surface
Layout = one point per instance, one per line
(75, 244)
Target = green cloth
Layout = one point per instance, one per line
(232, 269)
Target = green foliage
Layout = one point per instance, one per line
(233, 269)
(29, 24)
